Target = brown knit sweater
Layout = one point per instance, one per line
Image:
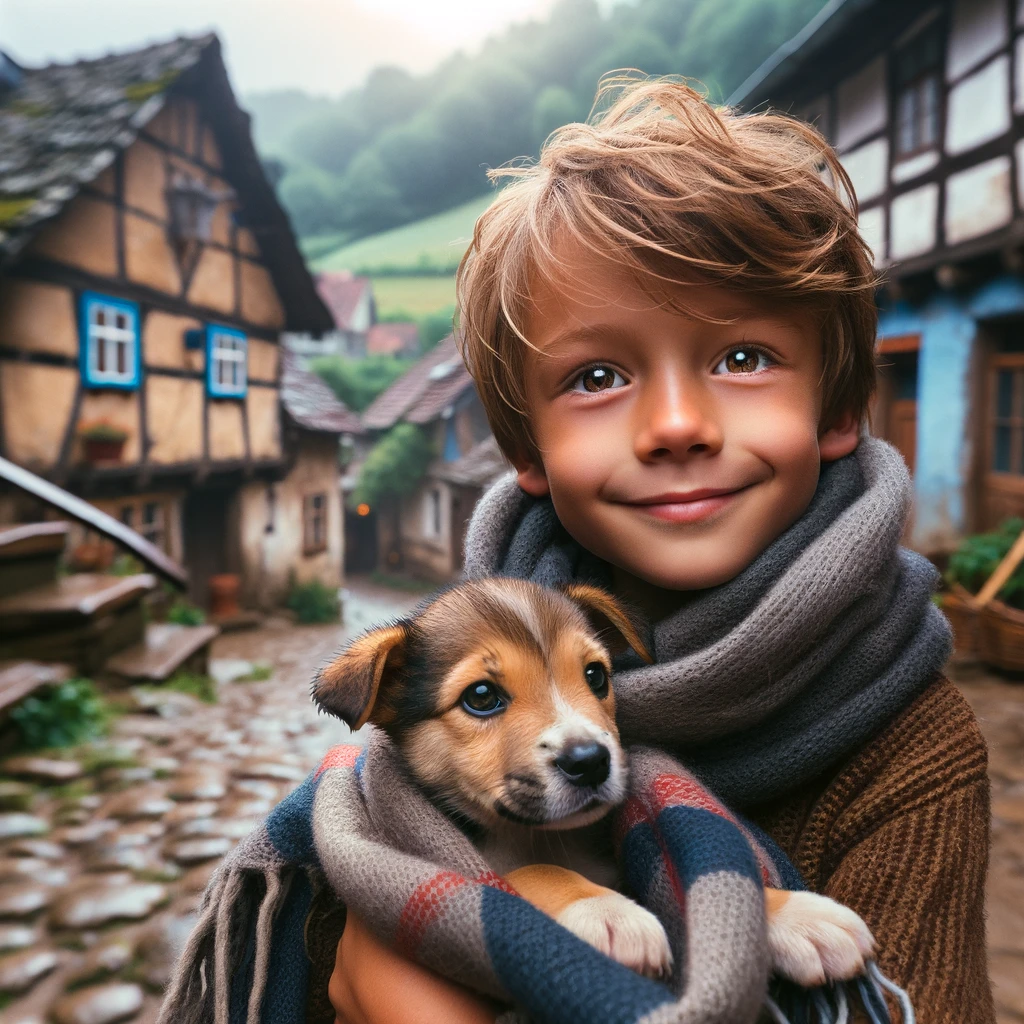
(901, 835)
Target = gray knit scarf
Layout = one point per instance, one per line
(765, 682)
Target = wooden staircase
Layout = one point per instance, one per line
(53, 625)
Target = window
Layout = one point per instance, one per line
(148, 518)
(432, 512)
(314, 523)
(1006, 425)
(917, 93)
(226, 350)
(109, 342)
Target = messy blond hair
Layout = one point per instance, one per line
(678, 192)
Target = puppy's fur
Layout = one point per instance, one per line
(531, 779)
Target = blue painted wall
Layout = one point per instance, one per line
(948, 325)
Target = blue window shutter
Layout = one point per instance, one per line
(226, 340)
(100, 347)
(451, 441)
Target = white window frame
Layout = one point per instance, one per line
(226, 348)
(107, 339)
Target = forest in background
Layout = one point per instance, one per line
(402, 147)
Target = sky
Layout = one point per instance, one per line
(321, 46)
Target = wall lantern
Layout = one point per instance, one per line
(192, 203)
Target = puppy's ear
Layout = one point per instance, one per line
(615, 626)
(351, 685)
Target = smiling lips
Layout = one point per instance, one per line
(687, 506)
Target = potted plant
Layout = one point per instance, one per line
(993, 628)
(102, 440)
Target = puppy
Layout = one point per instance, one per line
(498, 695)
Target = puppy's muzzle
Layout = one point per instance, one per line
(585, 764)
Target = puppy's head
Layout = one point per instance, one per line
(498, 693)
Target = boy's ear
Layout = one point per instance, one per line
(614, 625)
(531, 477)
(840, 439)
(350, 687)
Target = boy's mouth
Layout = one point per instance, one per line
(687, 506)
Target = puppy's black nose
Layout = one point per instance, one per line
(585, 764)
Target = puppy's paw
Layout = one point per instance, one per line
(623, 930)
(814, 939)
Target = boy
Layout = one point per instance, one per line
(671, 323)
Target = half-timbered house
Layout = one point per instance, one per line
(147, 272)
(924, 101)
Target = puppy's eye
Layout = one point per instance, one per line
(597, 678)
(482, 699)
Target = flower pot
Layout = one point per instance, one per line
(1001, 637)
(102, 449)
(224, 589)
(958, 607)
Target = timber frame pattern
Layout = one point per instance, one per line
(176, 115)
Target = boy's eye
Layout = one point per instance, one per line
(743, 360)
(598, 378)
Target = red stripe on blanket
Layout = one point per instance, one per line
(422, 908)
(495, 881)
(674, 790)
(344, 756)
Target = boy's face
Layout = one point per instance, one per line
(675, 448)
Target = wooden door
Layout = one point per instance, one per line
(1002, 449)
(902, 429)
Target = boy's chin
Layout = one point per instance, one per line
(684, 570)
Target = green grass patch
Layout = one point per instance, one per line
(413, 296)
(433, 245)
(64, 715)
(12, 209)
(259, 674)
(184, 614)
(94, 759)
(194, 684)
(314, 602)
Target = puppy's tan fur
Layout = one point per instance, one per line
(499, 772)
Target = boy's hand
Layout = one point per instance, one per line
(372, 984)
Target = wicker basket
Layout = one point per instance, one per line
(1001, 636)
(958, 607)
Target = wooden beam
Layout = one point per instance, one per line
(90, 516)
(899, 343)
(122, 270)
(40, 269)
(68, 439)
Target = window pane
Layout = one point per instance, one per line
(149, 512)
(1001, 450)
(127, 515)
(121, 322)
(929, 111)
(101, 354)
(907, 106)
(122, 357)
(1004, 394)
(99, 316)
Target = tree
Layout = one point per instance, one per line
(554, 107)
(395, 465)
(310, 196)
(357, 382)
(329, 140)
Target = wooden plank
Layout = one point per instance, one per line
(32, 539)
(81, 511)
(1004, 570)
(19, 679)
(166, 647)
(900, 343)
(80, 595)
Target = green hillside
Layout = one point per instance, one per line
(433, 245)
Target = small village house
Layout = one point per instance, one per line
(349, 298)
(924, 101)
(423, 533)
(147, 272)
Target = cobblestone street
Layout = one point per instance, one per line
(101, 865)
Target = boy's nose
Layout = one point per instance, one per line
(675, 422)
(585, 764)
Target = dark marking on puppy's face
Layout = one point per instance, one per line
(498, 695)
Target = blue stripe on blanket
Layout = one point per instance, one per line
(581, 984)
(701, 843)
(290, 824)
(284, 1001)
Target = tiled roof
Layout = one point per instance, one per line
(482, 464)
(392, 339)
(66, 123)
(62, 125)
(424, 391)
(341, 291)
(311, 403)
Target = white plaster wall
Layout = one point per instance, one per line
(914, 166)
(979, 107)
(1018, 74)
(861, 107)
(1018, 152)
(867, 167)
(913, 222)
(978, 200)
(872, 229)
(361, 314)
(978, 29)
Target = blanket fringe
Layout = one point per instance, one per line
(277, 891)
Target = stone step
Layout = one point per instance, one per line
(166, 648)
(29, 554)
(20, 679)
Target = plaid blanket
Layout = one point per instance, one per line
(359, 825)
